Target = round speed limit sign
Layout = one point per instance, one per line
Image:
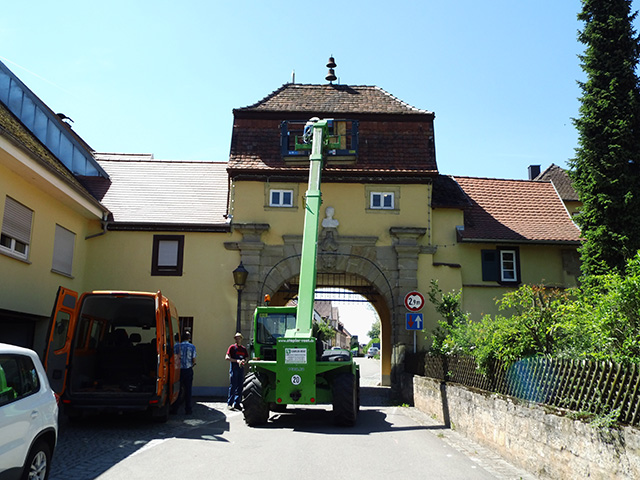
(414, 301)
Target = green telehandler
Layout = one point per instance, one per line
(287, 364)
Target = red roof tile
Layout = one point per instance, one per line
(515, 210)
(293, 97)
(560, 178)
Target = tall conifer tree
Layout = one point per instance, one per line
(606, 170)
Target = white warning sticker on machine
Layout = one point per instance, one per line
(295, 355)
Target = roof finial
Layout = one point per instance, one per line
(331, 76)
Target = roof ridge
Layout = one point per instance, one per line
(269, 96)
(402, 102)
(292, 96)
(524, 180)
(547, 170)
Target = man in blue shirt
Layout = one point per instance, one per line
(187, 352)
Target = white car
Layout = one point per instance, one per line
(372, 352)
(28, 415)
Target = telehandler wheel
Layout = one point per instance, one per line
(345, 399)
(256, 410)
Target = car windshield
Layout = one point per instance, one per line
(270, 326)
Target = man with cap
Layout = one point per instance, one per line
(237, 355)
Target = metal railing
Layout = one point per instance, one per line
(589, 388)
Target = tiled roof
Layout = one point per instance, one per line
(515, 210)
(156, 191)
(447, 193)
(339, 99)
(560, 178)
(394, 138)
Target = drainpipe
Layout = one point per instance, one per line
(105, 224)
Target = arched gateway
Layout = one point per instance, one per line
(382, 274)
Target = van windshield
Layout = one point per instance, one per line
(271, 326)
(116, 320)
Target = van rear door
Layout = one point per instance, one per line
(61, 327)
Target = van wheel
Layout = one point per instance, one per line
(38, 462)
(256, 410)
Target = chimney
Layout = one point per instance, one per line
(534, 171)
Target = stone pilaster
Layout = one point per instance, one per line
(250, 248)
(405, 240)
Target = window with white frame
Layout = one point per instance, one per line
(16, 229)
(501, 265)
(63, 245)
(280, 198)
(508, 270)
(382, 200)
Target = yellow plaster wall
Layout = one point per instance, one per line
(122, 261)
(350, 202)
(539, 264)
(31, 286)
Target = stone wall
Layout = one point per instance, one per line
(543, 442)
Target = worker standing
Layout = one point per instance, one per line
(187, 352)
(237, 356)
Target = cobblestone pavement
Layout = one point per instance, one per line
(90, 447)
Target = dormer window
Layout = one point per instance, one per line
(344, 132)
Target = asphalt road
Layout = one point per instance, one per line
(389, 441)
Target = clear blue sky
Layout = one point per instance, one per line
(162, 77)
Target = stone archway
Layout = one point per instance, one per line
(389, 272)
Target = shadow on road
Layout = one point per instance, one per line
(317, 420)
(89, 446)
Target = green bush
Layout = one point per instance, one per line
(598, 320)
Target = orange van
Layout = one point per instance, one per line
(113, 352)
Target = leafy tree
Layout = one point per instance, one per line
(323, 331)
(375, 330)
(606, 169)
(446, 338)
(606, 316)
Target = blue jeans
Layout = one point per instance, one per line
(186, 385)
(236, 376)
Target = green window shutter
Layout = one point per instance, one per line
(490, 266)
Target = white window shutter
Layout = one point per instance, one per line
(63, 246)
(16, 222)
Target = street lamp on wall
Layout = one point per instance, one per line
(239, 281)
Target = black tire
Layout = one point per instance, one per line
(160, 414)
(345, 399)
(278, 407)
(38, 462)
(255, 409)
